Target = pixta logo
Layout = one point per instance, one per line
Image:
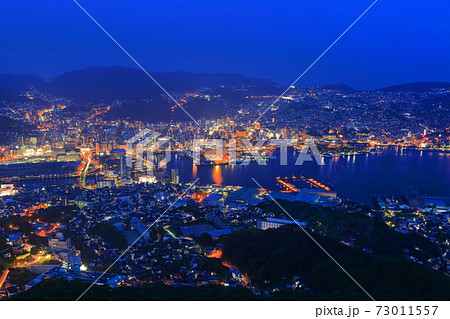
(144, 152)
(148, 151)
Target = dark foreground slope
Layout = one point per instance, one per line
(60, 289)
(273, 257)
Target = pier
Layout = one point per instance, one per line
(283, 181)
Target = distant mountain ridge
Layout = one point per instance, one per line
(16, 83)
(109, 83)
(344, 88)
(140, 98)
(418, 87)
(106, 83)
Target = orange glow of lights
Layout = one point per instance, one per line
(216, 253)
(217, 175)
(289, 186)
(318, 184)
(30, 211)
(199, 196)
(99, 111)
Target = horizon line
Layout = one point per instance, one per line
(48, 77)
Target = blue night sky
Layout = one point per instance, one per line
(395, 42)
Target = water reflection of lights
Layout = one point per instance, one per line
(194, 170)
(217, 175)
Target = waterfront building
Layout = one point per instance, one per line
(175, 179)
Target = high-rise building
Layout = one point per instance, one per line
(125, 174)
(175, 178)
